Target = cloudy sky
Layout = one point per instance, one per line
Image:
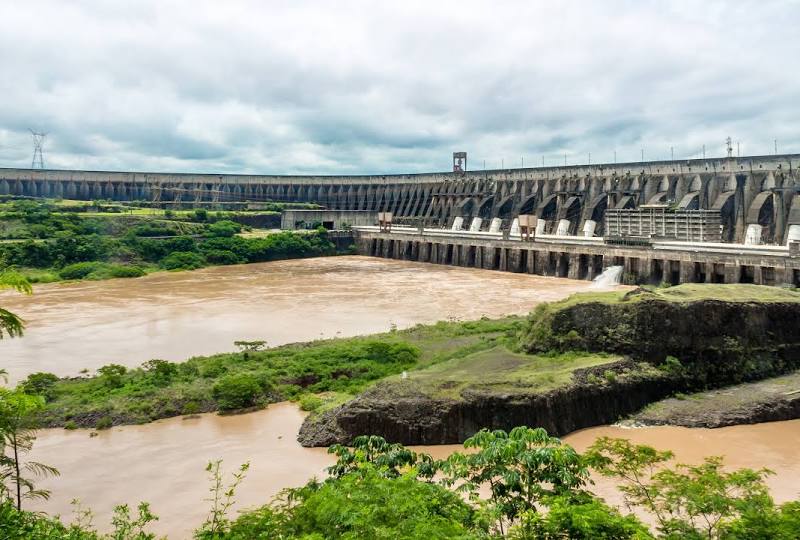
(370, 87)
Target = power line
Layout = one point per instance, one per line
(38, 142)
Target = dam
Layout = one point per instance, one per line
(718, 220)
(759, 190)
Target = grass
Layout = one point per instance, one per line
(498, 369)
(333, 370)
(689, 292)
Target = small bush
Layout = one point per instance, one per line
(161, 371)
(223, 229)
(310, 402)
(214, 369)
(191, 407)
(78, 270)
(99, 270)
(237, 391)
(124, 271)
(40, 384)
(671, 365)
(223, 256)
(610, 376)
(183, 260)
(70, 424)
(104, 423)
(111, 375)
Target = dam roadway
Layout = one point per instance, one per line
(749, 190)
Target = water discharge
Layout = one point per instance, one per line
(611, 277)
(178, 315)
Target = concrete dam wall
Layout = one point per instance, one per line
(758, 190)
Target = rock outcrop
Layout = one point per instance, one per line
(711, 343)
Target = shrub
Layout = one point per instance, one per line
(610, 376)
(183, 260)
(70, 424)
(123, 271)
(111, 375)
(223, 256)
(224, 229)
(161, 370)
(104, 423)
(214, 369)
(191, 407)
(40, 383)
(99, 270)
(671, 365)
(237, 392)
(78, 270)
(310, 402)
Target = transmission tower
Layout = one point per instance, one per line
(38, 141)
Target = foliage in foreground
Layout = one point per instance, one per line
(521, 485)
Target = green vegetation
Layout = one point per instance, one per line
(49, 241)
(688, 292)
(499, 369)
(331, 371)
(520, 485)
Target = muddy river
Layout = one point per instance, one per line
(174, 316)
(163, 462)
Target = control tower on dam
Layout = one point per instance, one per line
(755, 197)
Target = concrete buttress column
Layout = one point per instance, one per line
(574, 266)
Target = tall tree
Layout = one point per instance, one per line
(17, 434)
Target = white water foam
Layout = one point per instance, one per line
(610, 277)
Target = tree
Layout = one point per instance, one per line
(237, 391)
(521, 468)
(10, 324)
(582, 517)
(17, 410)
(363, 505)
(390, 459)
(688, 501)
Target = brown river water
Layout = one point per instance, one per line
(177, 315)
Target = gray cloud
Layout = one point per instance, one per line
(360, 87)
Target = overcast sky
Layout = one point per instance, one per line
(349, 87)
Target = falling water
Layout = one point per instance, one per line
(610, 277)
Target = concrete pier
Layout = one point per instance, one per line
(576, 258)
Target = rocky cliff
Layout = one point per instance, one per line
(669, 347)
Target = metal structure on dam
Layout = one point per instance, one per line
(758, 190)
